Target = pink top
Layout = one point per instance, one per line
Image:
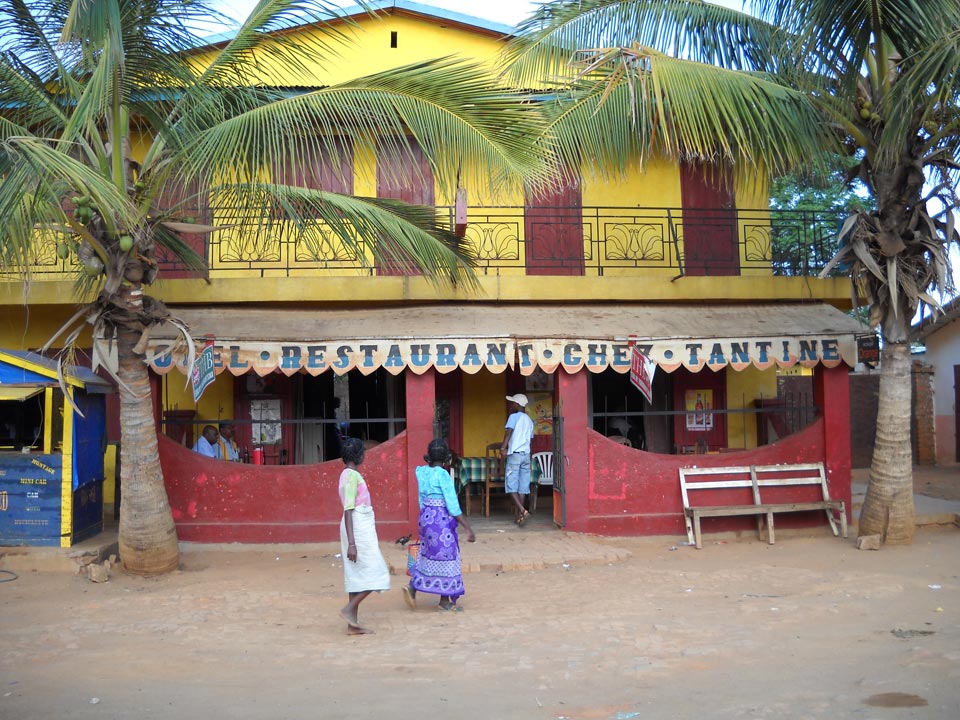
(353, 490)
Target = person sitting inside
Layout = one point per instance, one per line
(206, 444)
(227, 445)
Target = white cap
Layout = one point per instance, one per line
(520, 399)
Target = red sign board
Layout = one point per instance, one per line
(641, 373)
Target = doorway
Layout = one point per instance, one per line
(710, 243)
(403, 174)
(302, 419)
(696, 429)
(956, 412)
(553, 228)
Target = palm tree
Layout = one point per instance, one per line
(84, 82)
(780, 88)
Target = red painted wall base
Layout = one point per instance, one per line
(632, 492)
(224, 502)
(628, 492)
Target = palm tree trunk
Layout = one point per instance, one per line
(888, 508)
(148, 536)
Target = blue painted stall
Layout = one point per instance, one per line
(51, 451)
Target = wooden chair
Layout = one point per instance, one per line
(494, 478)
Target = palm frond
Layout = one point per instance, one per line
(633, 103)
(697, 31)
(451, 109)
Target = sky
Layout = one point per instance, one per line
(508, 12)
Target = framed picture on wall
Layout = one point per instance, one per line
(539, 381)
(697, 404)
(540, 410)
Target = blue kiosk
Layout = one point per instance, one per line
(51, 456)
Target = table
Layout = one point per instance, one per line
(470, 470)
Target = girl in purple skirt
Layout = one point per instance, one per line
(437, 570)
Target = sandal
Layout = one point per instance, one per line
(452, 607)
(409, 596)
(524, 516)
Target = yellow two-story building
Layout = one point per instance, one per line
(674, 264)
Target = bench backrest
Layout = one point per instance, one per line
(751, 480)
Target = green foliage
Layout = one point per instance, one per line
(822, 189)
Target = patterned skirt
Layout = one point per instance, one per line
(438, 565)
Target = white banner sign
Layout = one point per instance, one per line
(472, 355)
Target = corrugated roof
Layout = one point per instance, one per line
(477, 320)
(381, 6)
(931, 324)
(47, 367)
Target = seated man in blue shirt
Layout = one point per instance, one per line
(207, 442)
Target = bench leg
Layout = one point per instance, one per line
(833, 522)
(689, 524)
(696, 531)
(843, 520)
(770, 538)
(759, 527)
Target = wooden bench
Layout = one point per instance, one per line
(760, 481)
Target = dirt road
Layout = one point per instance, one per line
(807, 628)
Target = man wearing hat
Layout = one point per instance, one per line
(515, 451)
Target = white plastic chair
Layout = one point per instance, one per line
(544, 461)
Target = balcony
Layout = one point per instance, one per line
(588, 241)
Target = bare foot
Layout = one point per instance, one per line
(350, 618)
(357, 630)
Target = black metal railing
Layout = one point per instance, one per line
(594, 241)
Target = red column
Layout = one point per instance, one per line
(421, 397)
(832, 395)
(572, 393)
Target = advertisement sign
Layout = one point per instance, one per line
(641, 374)
(30, 497)
(204, 369)
(868, 350)
(697, 404)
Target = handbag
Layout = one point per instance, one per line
(413, 552)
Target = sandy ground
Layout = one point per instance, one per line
(938, 481)
(807, 628)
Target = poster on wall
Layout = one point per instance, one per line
(266, 421)
(540, 410)
(697, 404)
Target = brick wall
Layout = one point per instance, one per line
(923, 428)
(864, 391)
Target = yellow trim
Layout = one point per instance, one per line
(37, 368)
(18, 392)
(47, 421)
(66, 482)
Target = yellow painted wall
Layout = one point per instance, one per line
(742, 389)
(656, 185)
(418, 39)
(215, 404)
(484, 411)
(109, 478)
(29, 328)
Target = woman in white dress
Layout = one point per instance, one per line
(364, 569)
